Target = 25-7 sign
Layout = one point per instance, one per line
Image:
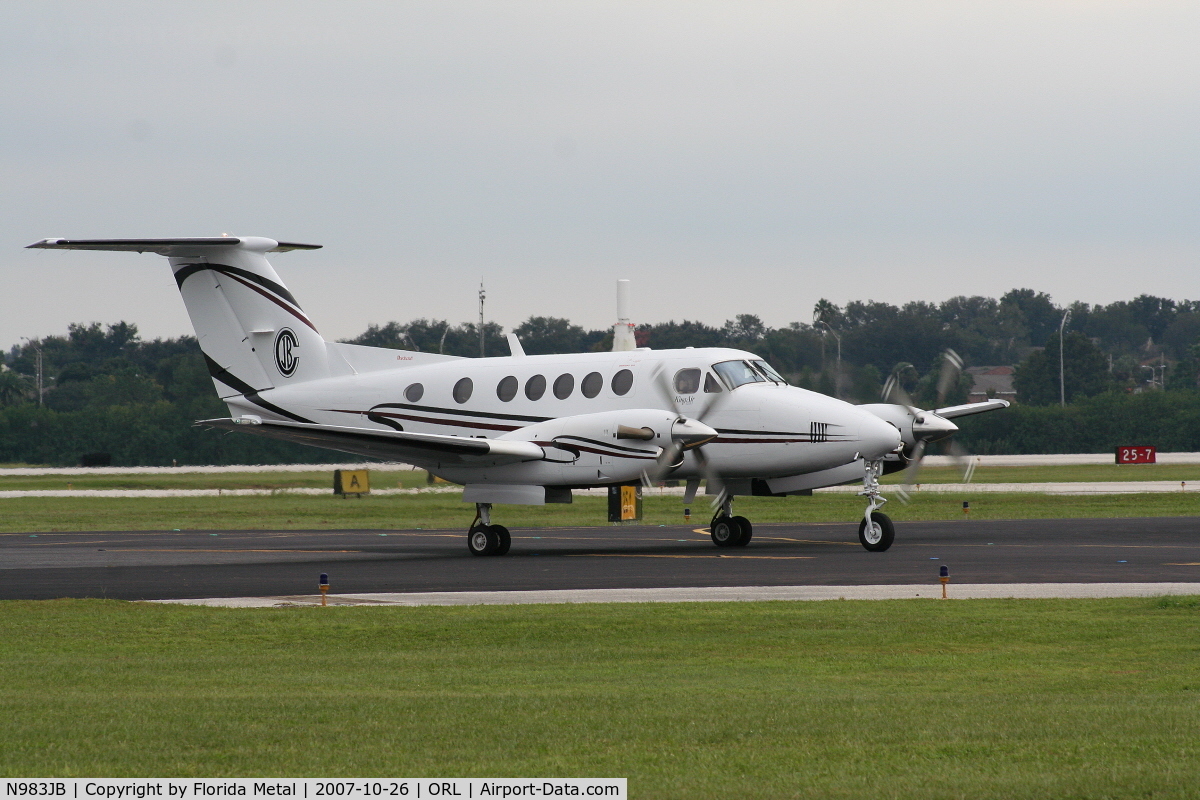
(1136, 455)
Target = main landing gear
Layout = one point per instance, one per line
(875, 531)
(484, 538)
(728, 530)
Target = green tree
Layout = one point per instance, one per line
(1085, 371)
(745, 328)
(13, 388)
(544, 335)
(1038, 315)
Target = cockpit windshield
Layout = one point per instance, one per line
(768, 371)
(735, 373)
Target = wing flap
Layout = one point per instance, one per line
(417, 448)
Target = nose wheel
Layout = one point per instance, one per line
(875, 530)
(484, 538)
(877, 534)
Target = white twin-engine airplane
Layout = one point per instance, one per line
(529, 429)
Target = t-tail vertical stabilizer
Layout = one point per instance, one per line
(253, 333)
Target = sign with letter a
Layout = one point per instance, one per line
(351, 481)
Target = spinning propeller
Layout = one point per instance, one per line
(687, 433)
(927, 426)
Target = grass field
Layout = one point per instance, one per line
(405, 512)
(897, 699)
(1060, 473)
(380, 479)
(408, 478)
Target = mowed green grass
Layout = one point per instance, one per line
(380, 479)
(410, 478)
(406, 512)
(1066, 473)
(897, 699)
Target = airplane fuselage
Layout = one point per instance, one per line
(573, 404)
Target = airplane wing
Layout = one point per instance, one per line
(971, 408)
(412, 448)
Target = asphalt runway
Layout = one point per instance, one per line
(193, 564)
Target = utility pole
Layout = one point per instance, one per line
(1062, 385)
(481, 298)
(837, 378)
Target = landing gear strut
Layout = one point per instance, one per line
(484, 538)
(728, 530)
(876, 531)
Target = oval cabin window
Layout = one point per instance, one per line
(507, 389)
(462, 390)
(414, 392)
(563, 385)
(687, 381)
(622, 382)
(591, 385)
(535, 387)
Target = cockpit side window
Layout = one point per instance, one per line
(687, 381)
(735, 373)
(711, 384)
(768, 371)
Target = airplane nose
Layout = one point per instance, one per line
(877, 438)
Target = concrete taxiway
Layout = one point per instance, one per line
(286, 564)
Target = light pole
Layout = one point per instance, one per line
(837, 378)
(37, 349)
(1158, 375)
(1062, 385)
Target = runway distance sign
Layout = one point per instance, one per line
(1137, 455)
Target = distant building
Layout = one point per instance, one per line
(991, 382)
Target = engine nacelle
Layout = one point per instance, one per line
(913, 423)
(620, 445)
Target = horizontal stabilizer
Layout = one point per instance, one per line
(170, 247)
(415, 448)
(971, 408)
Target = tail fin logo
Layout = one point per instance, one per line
(286, 358)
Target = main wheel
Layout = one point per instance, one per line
(504, 537)
(879, 535)
(747, 532)
(725, 531)
(482, 540)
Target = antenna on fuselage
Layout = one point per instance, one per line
(623, 338)
(481, 298)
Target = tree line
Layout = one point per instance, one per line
(1128, 366)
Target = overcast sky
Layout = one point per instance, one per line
(727, 157)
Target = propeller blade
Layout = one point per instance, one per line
(962, 460)
(662, 385)
(667, 460)
(712, 478)
(952, 365)
(912, 471)
(893, 392)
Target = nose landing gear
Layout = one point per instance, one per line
(875, 531)
(484, 538)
